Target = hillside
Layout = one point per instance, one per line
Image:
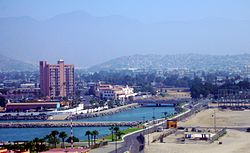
(8, 64)
(189, 61)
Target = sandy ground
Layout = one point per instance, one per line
(224, 118)
(233, 142)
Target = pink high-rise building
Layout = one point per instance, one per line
(57, 80)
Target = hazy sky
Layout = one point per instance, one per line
(157, 26)
(143, 10)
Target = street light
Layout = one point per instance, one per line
(148, 136)
(153, 116)
(143, 122)
(214, 116)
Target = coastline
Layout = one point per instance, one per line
(65, 124)
(74, 117)
(104, 112)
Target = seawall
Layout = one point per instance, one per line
(104, 112)
(64, 124)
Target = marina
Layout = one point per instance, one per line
(130, 116)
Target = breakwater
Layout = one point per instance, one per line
(104, 112)
(65, 124)
(24, 117)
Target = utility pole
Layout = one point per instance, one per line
(115, 143)
(153, 116)
(143, 124)
(71, 131)
(148, 136)
(214, 121)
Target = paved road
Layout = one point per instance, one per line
(135, 143)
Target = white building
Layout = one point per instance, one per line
(114, 92)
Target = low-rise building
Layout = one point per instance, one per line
(113, 92)
(23, 107)
(22, 94)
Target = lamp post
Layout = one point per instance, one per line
(214, 116)
(148, 136)
(115, 143)
(143, 122)
(153, 116)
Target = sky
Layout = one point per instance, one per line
(144, 10)
(139, 27)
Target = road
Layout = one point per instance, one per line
(134, 143)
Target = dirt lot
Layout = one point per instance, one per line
(225, 118)
(233, 142)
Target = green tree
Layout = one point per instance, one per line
(119, 134)
(116, 129)
(63, 135)
(2, 101)
(29, 146)
(87, 133)
(54, 134)
(95, 133)
(49, 139)
(36, 141)
(91, 134)
(112, 132)
(75, 139)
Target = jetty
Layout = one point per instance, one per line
(104, 112)
(65, 124)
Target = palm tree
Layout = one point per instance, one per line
(36, 140)
(112, 132)
(49, 139)
(42, 140)
(91, 134)
(116, 129)
(95, 133)
(165, 114)
(119, 134)
(63, 135)
(54, 134)
(42, 145)
(88, 133)
(29, 146)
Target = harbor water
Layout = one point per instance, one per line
(137, 114)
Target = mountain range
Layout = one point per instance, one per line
(86, 40)
(181, 61)
(150, 61)
(8, 64)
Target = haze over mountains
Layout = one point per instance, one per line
(187, 61)
(86, 40)
(8, 64)
(151, 61)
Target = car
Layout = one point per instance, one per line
(180, 128)
(160, 129)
